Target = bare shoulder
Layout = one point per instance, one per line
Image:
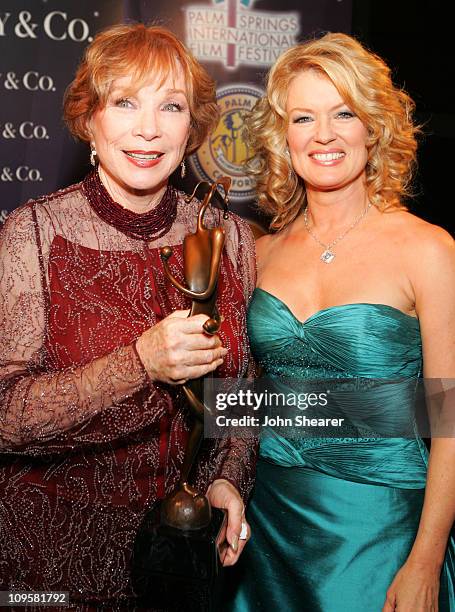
(427, 253)
(421, 240)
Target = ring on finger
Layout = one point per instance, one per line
(244, 531)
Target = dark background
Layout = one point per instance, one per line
(416, 39)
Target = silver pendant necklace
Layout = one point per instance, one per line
(328, 255)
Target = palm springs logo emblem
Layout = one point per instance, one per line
(227, 150)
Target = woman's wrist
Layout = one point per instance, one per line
(225, 482)
(431, 557)
(141, 360)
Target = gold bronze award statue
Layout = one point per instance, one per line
(177, 547)
(186, 508)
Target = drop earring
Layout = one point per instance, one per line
(183, 169)
(92, 156)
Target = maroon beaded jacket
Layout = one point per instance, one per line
(87, 443)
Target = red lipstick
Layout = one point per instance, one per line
(144, 159)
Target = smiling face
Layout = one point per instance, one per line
(140, 139)
(326, 140)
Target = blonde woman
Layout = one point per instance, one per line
(350, 285)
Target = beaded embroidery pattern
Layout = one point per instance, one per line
(87, 444)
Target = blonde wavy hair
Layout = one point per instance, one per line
(364, 82)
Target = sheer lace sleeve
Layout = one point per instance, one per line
(87, 443)
(234, 459)
(241, 250)
(36, 404)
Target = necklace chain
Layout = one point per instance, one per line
(328, 255)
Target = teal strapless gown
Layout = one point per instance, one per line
(333, 519)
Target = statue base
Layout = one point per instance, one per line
(177, 569)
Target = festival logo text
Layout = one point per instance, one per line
(231, 33)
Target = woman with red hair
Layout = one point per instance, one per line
(94, 339)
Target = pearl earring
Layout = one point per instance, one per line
(92, 156)
(183, 169)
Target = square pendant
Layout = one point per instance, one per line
(327, 256)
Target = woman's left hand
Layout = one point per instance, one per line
(222, 494)
(415, 588)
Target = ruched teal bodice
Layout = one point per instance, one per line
(333, 519)
(365, 340)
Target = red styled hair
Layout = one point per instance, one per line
(139, 51)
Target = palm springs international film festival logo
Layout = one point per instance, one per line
(231, 33)
(226, 150)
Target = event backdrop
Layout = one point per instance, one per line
(42, 41)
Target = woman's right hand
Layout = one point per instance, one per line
(177, 349)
